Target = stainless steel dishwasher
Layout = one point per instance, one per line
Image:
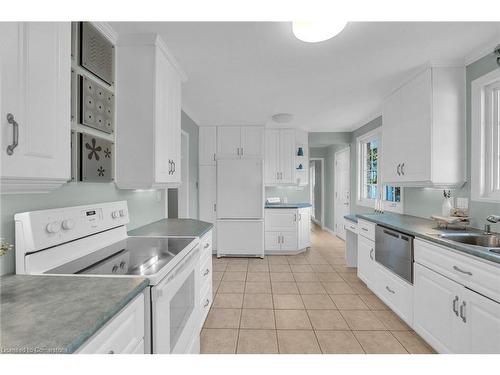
(394, 250)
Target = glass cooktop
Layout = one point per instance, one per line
(131, 256)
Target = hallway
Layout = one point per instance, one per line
(306, 303)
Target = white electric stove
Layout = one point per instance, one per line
(92, 240)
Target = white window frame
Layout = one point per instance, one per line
(481, 125)
(397, 207)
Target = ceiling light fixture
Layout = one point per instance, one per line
(313, 32)
(282, 118)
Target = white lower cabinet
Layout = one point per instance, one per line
(452, 318)
(208, 197)
(124, 334)
(205, 288)
(287, 230)
(395, 292)
(366, 261)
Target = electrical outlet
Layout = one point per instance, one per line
(462, 203)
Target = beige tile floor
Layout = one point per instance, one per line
(307, 303)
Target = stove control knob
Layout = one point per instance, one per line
(122, 264)
(68, 224)
(123, 213)
(53, 227)
(115, 214)
(114, 269)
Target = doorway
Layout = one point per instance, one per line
(317, 190)
(342, 194)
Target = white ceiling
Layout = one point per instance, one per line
(244, 72)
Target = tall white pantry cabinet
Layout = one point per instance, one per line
(35, 76)
(148, 110)
(207, 179)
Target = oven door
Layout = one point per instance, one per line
(175, 307)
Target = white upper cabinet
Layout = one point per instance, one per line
(235, 142)
(280, 157)
(423, 138)
(148, 111)
(208, 145)
(35, 71)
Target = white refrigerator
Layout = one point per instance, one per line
(240, 207)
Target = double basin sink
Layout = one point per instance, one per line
(490, 242)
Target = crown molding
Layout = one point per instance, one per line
(482, 51)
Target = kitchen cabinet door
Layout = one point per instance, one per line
(228, 142)
(366, 260)
(287, 156)
(252, 142)
(272, 241)
(207, 193)
(415, 134)
(281, 220)
(271, 157)
(35, 89)
(436, 310)
(393, 153)
(289, 241)
(208, 145)
(304, 228)
(480, 317)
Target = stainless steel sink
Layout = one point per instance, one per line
(490, 241)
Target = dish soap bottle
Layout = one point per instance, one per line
(447, 207)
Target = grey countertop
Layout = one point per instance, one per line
(172, 228)
(351, 217)
(57, 314)
(427, 229)
(288, 205)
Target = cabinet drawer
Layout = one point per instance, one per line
(350, 226)
(281, 220)
(206, 272)
(206, 243)
(395, 292)
(122, 334)
(476, 275)
(366, 229)
(205, 304)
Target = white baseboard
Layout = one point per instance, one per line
(329, 231)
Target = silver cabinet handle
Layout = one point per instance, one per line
(398, 170)
(242, 151)
(238, 151)
(207, 271)
(462, 271)
(215, 207)
(175, 167)
(390, 290)
(371, 254)
(169, 166)
(300, 217)
(295, 218)
(403, 168)
(366, 230)
(462, 312)
(15, 133)
(206, 245)
(455, 309)
(111, 352)
(207, 301)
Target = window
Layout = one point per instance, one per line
(485, 132)
(370, 188)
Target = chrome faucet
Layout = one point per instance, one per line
(493, 218)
